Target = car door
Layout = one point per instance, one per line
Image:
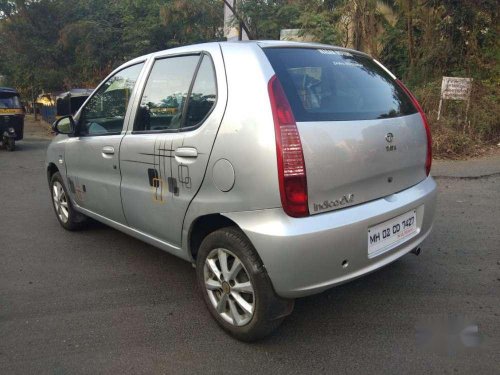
(165, 155)
(92, 157)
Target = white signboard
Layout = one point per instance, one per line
(455, 88)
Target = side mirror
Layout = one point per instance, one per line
(64, 125)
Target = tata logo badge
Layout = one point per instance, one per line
(389, 138)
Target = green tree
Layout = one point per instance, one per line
(59, 44)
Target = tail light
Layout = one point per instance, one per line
(428, 161)
(291, 166)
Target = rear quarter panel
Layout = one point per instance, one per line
(245, 138)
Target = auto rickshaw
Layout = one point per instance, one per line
(11, 118)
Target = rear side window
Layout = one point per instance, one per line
(203, 94)
(165, 94)
(180, 93)
(331, 85)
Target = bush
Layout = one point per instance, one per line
(454, 135)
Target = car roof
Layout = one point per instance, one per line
(293, 44)
(8, 90)
(74, 93)
(244, 43)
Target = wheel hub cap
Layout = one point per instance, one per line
(226, 288)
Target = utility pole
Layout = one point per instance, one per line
(242, 25)
(33, 103)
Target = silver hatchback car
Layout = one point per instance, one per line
(279, 169)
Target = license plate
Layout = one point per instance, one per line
(389, 232)
(11, 111)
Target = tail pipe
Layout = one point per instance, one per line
(416, 251)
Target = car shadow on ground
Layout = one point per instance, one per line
(31, 145)
(349, 309)
(342, 311)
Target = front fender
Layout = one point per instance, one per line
(55, 156)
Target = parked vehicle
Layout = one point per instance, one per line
(68, 103)
(11, 118)
(54, 105)
(279, 169)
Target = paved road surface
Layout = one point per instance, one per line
(99, 301)
(472, 168)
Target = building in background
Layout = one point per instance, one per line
(232, 31)
(295, 35)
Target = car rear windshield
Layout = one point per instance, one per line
(337, 85)
(9, 101)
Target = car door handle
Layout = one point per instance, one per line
(186, 152)
(108, 150)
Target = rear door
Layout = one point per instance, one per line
(92, 157)
(165, 155)
(362, 138)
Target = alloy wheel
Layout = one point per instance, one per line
(60, 201)
(229, 287)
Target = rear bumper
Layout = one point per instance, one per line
(304, 256)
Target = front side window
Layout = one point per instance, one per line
(9, 101)
(105, 111)
(165, 94)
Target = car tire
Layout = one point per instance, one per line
(10, 144)
(244, 314)
(67, 216)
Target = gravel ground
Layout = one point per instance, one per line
(36, 129)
